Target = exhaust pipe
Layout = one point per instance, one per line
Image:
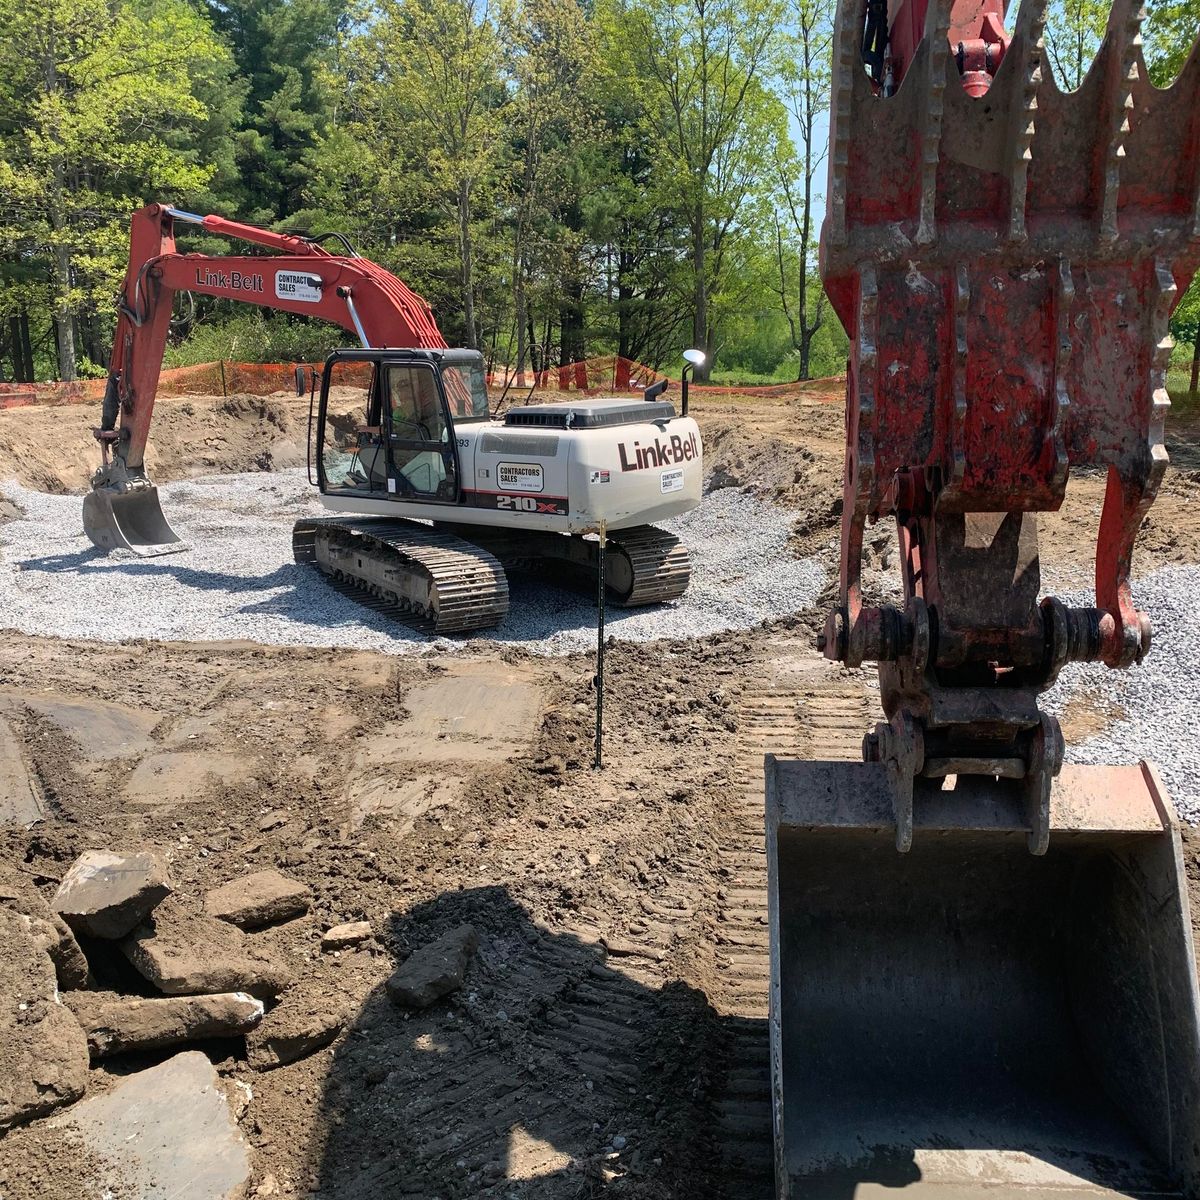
(967, 1020)
(130, 519)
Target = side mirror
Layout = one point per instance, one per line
(697, 358)
(300, 380)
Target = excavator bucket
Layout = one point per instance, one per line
(129, 520)
(968, 1021)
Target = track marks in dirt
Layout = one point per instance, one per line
(801, 707)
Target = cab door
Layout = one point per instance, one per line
(422, 455)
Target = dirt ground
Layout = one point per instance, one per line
(620, 987)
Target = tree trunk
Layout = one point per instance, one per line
(1195, 389)
(22, 348)
(466, 253)
(624, 296)
(519, 303)
(700, 315)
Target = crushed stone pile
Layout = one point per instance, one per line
(1159, 699)
(237, 579)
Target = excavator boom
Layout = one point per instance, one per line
(983, 979)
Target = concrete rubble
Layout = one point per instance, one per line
(263, 898)
(50, 932)
(115, 1024)
(303, 1023)
(184, 954)
(168, 1132)
(105, 894)
(434, 970)
(339, 937)
(43, 1051)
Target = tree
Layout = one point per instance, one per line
(1074, 30)
(804, 82)
(101, 101)
(712, 124)
(550, 61)
(419, 133)
(280, 47)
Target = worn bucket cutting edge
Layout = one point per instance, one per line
(129, 520)
(968, 1020)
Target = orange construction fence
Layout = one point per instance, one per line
(605, 373)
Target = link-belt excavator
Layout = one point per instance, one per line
(439, 496)
(982, 973)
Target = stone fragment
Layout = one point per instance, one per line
(168, 1132)
(43, 1051)
(304, 1021)
(338, 937)
(184, 954)
(259, 899)
(117, 1023)
(105, 894)
(50, 932)
(435, 970)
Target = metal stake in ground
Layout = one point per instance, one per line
(599, 680)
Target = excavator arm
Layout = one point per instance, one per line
(301, 277)
(964, 1017)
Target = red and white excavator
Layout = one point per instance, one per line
(400, 434)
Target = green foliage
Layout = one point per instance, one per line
(258, 337)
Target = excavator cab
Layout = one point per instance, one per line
(385, 422)
(983, 981)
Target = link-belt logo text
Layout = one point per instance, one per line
(234, 281)
(662, 453)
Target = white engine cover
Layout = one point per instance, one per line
(563, 479)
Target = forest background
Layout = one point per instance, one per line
(558, 178)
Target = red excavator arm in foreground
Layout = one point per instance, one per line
(302, 277)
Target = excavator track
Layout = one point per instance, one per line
(643, 565)
(658, 562)
(426, 576)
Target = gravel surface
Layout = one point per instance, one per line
(1161, 698)
(237, 578)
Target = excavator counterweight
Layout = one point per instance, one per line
(983, 977)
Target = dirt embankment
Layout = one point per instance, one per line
(53, 450)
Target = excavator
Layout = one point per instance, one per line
(438, 496)
(983, 981)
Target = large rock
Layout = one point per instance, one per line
(167, 1132)
(259, 899)
(435, 970)
(43, 1051)
(304, 1021)
(105, 895)
(117, 1023)
(50, 932)
(183, 954)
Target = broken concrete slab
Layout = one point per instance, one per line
(262, 898)
(168, 1131)
(435, 970)
(114, 1024)
(304, 1022)
(50, 932)
(184, 954)
(106, 894)
(43, 1051)
(339, 937)
(20, 796)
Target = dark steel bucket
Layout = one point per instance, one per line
(970, 1022)
(129, 520)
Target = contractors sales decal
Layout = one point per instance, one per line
(662, 452)
(520, 477)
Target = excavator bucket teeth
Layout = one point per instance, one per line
(971, 1021)
(129, 520)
